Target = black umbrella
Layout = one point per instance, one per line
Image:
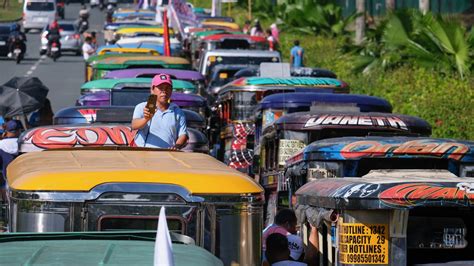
(21, 96)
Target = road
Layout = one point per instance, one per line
(63, 77)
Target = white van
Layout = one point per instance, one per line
(38, 13)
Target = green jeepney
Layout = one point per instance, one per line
(132, 83)
(95, 58)
(102, 66)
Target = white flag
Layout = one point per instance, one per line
(163, 247)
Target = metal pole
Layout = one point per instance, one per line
(250, 9)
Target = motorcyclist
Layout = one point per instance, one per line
(17, 37)
(84, 13)
(83, 18)
(109, 14)
(53, 35)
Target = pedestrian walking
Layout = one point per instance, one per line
(246, 27)
(272, 44)
(297, 55)
(163, 124)
(275, 32)
(87, 49)
(257, 30)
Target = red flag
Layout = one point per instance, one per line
(166, 35)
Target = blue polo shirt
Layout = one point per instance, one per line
(163, 129)
(297, 53)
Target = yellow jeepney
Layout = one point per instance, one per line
(105, 190)
(118, 50)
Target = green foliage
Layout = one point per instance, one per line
(444, 100)
(305, 16)
(408, 37)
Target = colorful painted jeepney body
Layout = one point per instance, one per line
(107, 134)
(188, 75)
(235, 106)
(132, 83)
(292, 132)
(102, 190)
(393, 217)
(102, 66)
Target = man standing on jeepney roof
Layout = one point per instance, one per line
(166, 127)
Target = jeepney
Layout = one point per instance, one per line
(126, 32)
(188, 75)
(114, 114)
(210, 59)
(115, 49)
(101, 190)
(132, 97)
(233, 129)
(225, 41)
(220, 75)
(132, 83)
(94, 58)
(100, 67)
(390, 217)
(220, 25)
(254, 71)
(289, 134)
(152, 41)
(96, 248)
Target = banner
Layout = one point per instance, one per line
(288, 148)
(182, 15)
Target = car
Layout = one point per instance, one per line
(38, 13)
(70, 38)
(5, 30)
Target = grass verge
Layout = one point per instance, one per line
(11, 12)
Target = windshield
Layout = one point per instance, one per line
(222, 77)
(243, 105)
(239, 60)
(40, 6)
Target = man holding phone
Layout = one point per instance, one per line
(160, 124)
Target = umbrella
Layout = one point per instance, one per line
(21, 96)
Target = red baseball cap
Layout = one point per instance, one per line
(160, 79)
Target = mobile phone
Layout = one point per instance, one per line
(151, 103)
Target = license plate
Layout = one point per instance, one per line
(54, 49)
(17, 51)
(2, 43)
(40, 19)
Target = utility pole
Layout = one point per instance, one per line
(360, 22)
(424, 6)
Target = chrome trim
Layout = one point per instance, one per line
(97, 191)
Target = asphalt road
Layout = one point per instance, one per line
(63, 77)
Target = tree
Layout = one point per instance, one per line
(360, 22)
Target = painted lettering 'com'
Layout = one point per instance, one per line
(361, 149)
(414, 194)
(55, 138)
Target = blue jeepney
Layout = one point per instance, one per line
(292, 132)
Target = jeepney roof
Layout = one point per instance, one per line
(134, 49)
(85, 248)
(265, 83)
(141, 72)
(240, 53)
(141, 59)
(356, 148)
(297, 99)
(142, 82)
(225, 36)
(82, 170)
(408, 189)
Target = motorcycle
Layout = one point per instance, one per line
(55, 50)
(19, 48)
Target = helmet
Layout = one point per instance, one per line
(54, 24)
(110, 6)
